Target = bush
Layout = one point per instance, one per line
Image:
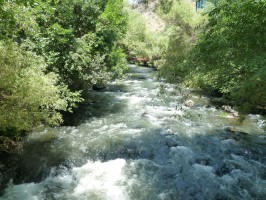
(230, 55)
(28, 96)
(182, 20)
(44, 43)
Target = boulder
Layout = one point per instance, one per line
(189, 103)
(230, 110)
(235, 130)
(222, 168)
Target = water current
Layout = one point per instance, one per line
(138, 140)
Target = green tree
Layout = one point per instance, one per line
(140, 41)
(230, 55)
(77, 39)
(111, 27)
(112, 23)
(44, 43)
(135, 41)
(28, 96)
(180, 35)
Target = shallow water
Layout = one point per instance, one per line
(138, 140)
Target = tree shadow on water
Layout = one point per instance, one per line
(98, 103)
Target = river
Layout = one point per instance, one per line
(137, 140)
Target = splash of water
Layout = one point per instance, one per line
(144, 142)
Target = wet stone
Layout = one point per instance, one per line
(230, 110)
(235, 130)
(189, 103)
(129, 152)
(204, 161)
(171, 143)
(222, 168)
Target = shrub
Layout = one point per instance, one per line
(28, 96)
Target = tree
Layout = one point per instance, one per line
(230, 55)
(28, 96)
(44, 43)
(141, 42)
(181, 34)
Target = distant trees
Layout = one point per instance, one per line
(139, 41)
(136, 39)
(181, 19)
(51, 53)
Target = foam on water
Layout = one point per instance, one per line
(147, 144)
(94, 180)
(100, 180)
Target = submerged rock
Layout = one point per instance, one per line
(221, 168)
(189, 103)
(204, 161)
(235, 130)
(231, 111)
(171, 143)
(236, 134)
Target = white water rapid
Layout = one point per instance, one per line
(139, 141)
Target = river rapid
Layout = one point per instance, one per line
(137, 140)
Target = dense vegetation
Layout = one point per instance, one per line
(53, 52)
(220, 48)
(230, 55)
(139, 41)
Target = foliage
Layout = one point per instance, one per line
(140, 41)
(112, 22)
(135, 39)
(222, 53)
(16, 21)
(181, 19)
(63, 39)
(54, 30)
(111, 27)
(86, 67)
(118, 61)
(230, 55)
(44, 43)
(28, 96)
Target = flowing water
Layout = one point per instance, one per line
(139, 141)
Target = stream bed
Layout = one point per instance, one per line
(139, 140)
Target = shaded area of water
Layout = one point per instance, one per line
(138, 140)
